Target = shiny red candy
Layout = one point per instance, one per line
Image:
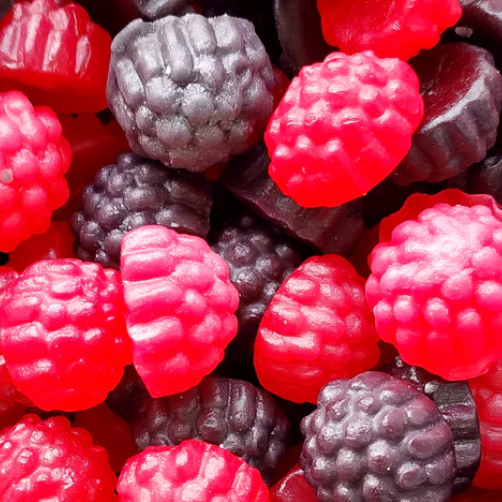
(293, 488)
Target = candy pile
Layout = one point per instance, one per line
(250, 251)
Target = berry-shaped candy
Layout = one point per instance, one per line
(49, 460)
(35, 158)
(390, 28)
(7, 276)
(462, 92)
(342, 127)
(327, 230)
(293, 488)
(376, 438)
(110, 431)
(63, 333)
(93, 145)
(190, 91)
(5, 7)
(180, 307)
(193, 471)
(10, 413)
(233, 414)
(53, 52)
(154, 9)
(299, 28)
(56, 243)
(259, 259)
(317, 328)
(132, 193)
(456, 405)
(435, 287)
(487, 392)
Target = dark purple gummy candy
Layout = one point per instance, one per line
(327, 230)
(377, 438)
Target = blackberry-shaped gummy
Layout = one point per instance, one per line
(327, 230)
(190, 91)
(154, 9)
(132, 193)
(456, 405)
(377, 438)
(462, 93)
(259, 259)
(233, 414)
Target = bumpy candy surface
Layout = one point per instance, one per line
(317, 328)
(233, 414)
(259, 259)
(391, 28)
(462, 93)
(342, 127)
(53, 52)
(435, 289)
(191, 471)
(51, 461)
(191, 91)
(487, 392)
(131, 193)
(63, 333)
(180, 307)
(35, 158)
(377, 438)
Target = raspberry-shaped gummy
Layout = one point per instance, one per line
(436, 292)
(51, 461)
(376, 438)
(462, 93)
(487, 392)
(53, 52)
(63, 333)
(259, 259)
(456, 405)
(317, 328)
(191, 471)
(342, 127)
(35, 158)
(190, 91)
(233, 414)
(180, 307)
(132, 193)
(326, 229)
(391, 28)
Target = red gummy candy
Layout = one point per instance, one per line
(316, 329)
(390, 28)
(342, 126)
(63, 333)
(436, 289)
(193, 472)
(110, 431)
(57, 242)
(54, 53)
(10, 413)
(7, 276)
(50, 461)
(487, 393)
(93, 145)
(180, 307)
(35, 158)
(293, 488)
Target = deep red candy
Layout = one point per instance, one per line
(436, 288)
(110, 431)
(63, 333)
(180, 307)
(57, 242)
(35, 158)
(191, 472)
(342, 126)
(7, 276)
(50, 461)
(487, 393)
(390, 28)
(476, 495)
(10, 413)
(316, 329)
(53, 52)
(293, 488)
